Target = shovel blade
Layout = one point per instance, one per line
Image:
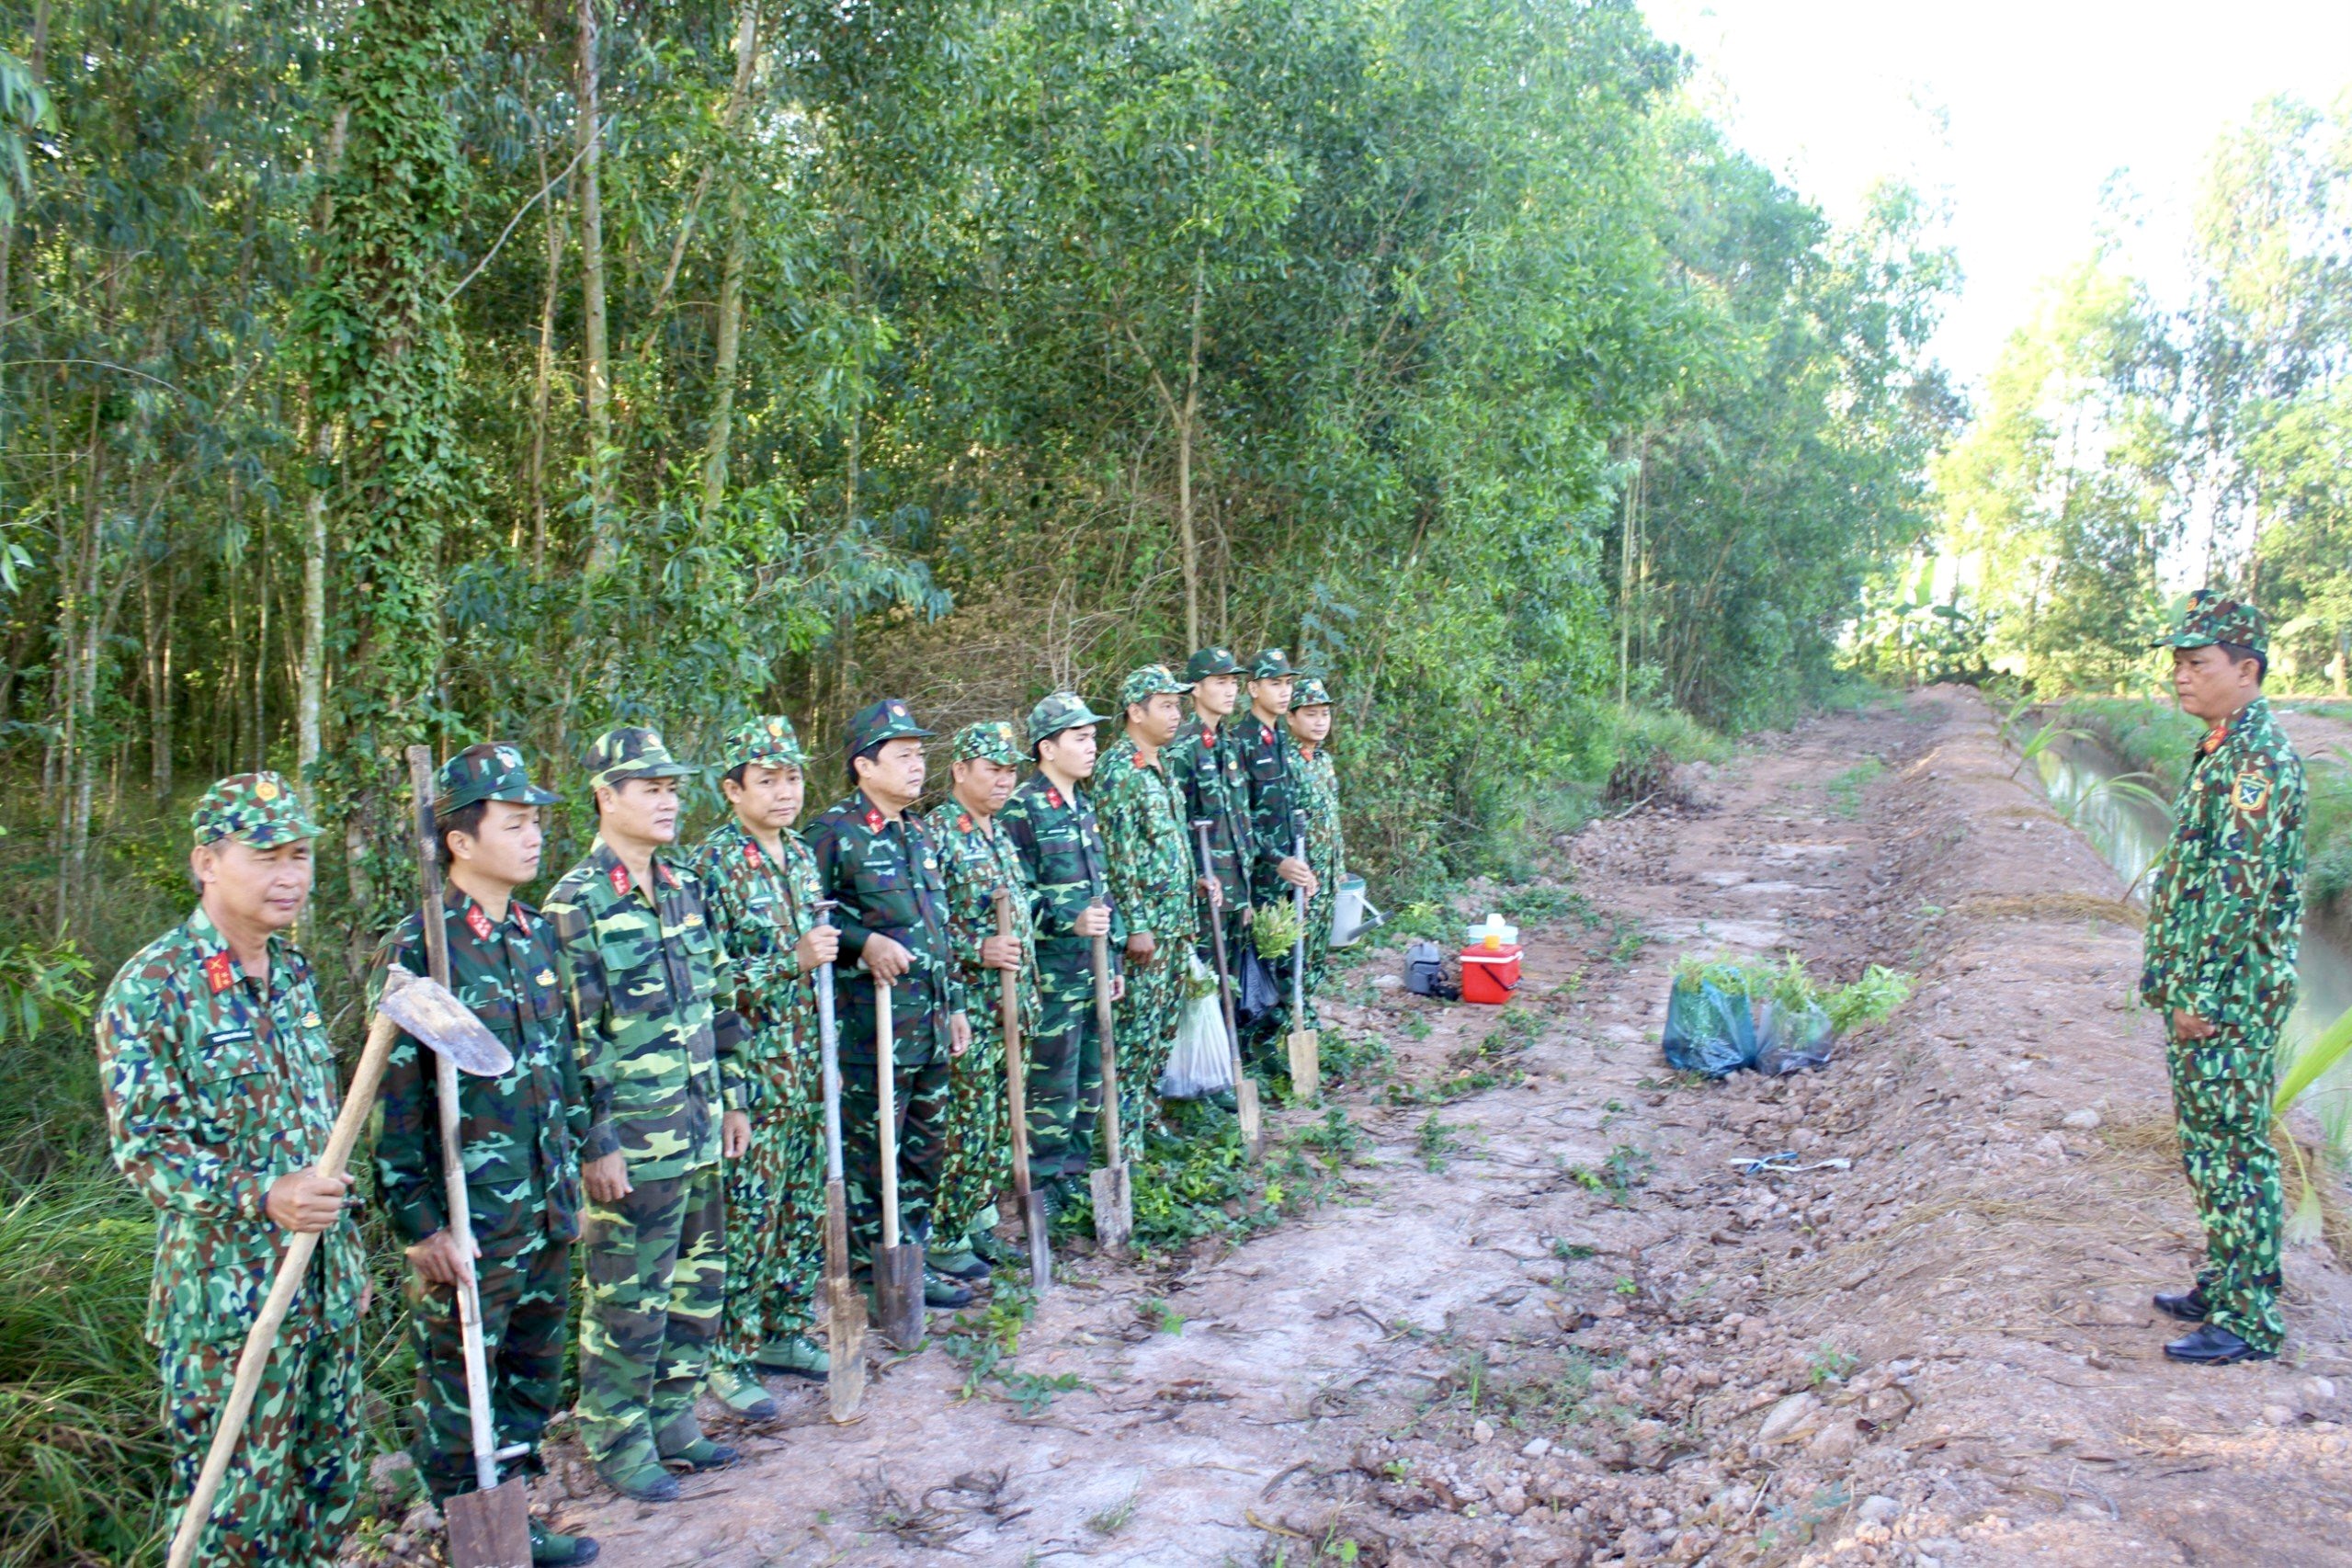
(1040, 1243)
(1306, 1063)
(492, 1528)
(1114, 1207)
(1253, 1118)
(433, 1015)
(844, 1346)
(898, 1293)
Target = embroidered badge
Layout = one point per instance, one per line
(220, 972)
(2252, 791)
(545, 977)
(265, 791)
(873, 820)
(522, 921)
(1052, 797)
(310, 1020)
(751, 854)
(620, 880)
(669, 878)
(963, 822)
(692, 921)
(479, 924)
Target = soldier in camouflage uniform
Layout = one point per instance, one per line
(1148, 840)
(221, 1093)
(1205, 762)
(2224, 924)
(645, 971)
(875, 854)
(979, 859)
(1266, 757)
(1317, 786)
(1054, 833)
(762, 889)
(519, 1134)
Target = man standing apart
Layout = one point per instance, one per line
(1147, 835)
(979, 861)
(643, 966)
(1060, 845)
(519, 1135)
(2224, 922)
(220, 1093)
(1316, 785)
(875, 854)
(763, 893)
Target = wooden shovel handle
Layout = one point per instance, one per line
(1103, 1023)
(1008, 1004)
(886, 1100)
(262, 1338)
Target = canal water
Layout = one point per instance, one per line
(2131, 833)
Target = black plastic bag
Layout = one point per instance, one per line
(1708, 1031)
(1790, 1039)
(1256, 994)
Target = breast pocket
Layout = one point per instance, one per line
(699, 953)
(224, 1079)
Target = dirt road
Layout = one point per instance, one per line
(1553, 1321)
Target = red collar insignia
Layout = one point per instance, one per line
(478, 923)
(963, 822)
(619, 881)
(522, 922)
(669, 878)
(1053, 796)
(873, 820)
(1266, 731)
(220, 972)
(751, 854)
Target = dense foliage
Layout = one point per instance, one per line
(436, 369)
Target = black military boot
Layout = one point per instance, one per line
(2188, 1305)
(2210, 1344)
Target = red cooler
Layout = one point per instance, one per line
(1490, 974)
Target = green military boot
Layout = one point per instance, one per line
(992, 1252)
(551, 1550)
(940, 1290)
(635, 1473)
(958, 1262)
(741, 1393)
(794, 1353)
(682, 1444)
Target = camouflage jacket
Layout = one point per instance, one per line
(216, 1086)
(1214, 786)
(979, 858)
(889, 880)
(1150, 849)
(761, 910)
(2225, 910)
(519, 1134)
(1267, 756)
(643, 968)
(1316, 784)
(1059, 847)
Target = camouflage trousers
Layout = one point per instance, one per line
(656, 1276)
(976, 1161)
(1065, 1078)
(526, 1306)
(1145, 1022)
(920, 1097)
(293, 1481)
(2221, 1090)
(775, 1230)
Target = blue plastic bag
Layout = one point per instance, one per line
(1708, 1031)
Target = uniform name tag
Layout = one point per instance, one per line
(228, 1037)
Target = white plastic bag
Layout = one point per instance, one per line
(1201, 1063)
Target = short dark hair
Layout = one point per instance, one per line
(870, 754)
(2238, 654)
(466, 819)
(733, 775)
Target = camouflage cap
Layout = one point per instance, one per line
(1212, 662)
(1309, 693)
(487, 772)
(887, 719)
(990, 740)
(260, 808)
(633, 752)
(1062, 710)
(1152, 680)
(2208, 619)
(1270, 664)
(770, 742)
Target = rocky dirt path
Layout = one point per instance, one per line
(1552, 1321)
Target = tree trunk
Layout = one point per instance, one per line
(1187, 533)
(310, 684)
(545, 377)
(595, 366)
(731, 280)
(156, 655)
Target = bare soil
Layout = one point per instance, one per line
(1560, 1324)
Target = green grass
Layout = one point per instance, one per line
(1846, 789)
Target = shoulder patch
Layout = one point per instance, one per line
(2252, 791)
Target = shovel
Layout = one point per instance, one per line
(491, 1526)
(436, 1018)
(844, 1304)
(1031, 1201)
(1244, 1086)
(1306, 1045)
(898, 1269)
(1114, 1197)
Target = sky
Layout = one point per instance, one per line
(2013, 116)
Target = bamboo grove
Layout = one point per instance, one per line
(430, 370)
